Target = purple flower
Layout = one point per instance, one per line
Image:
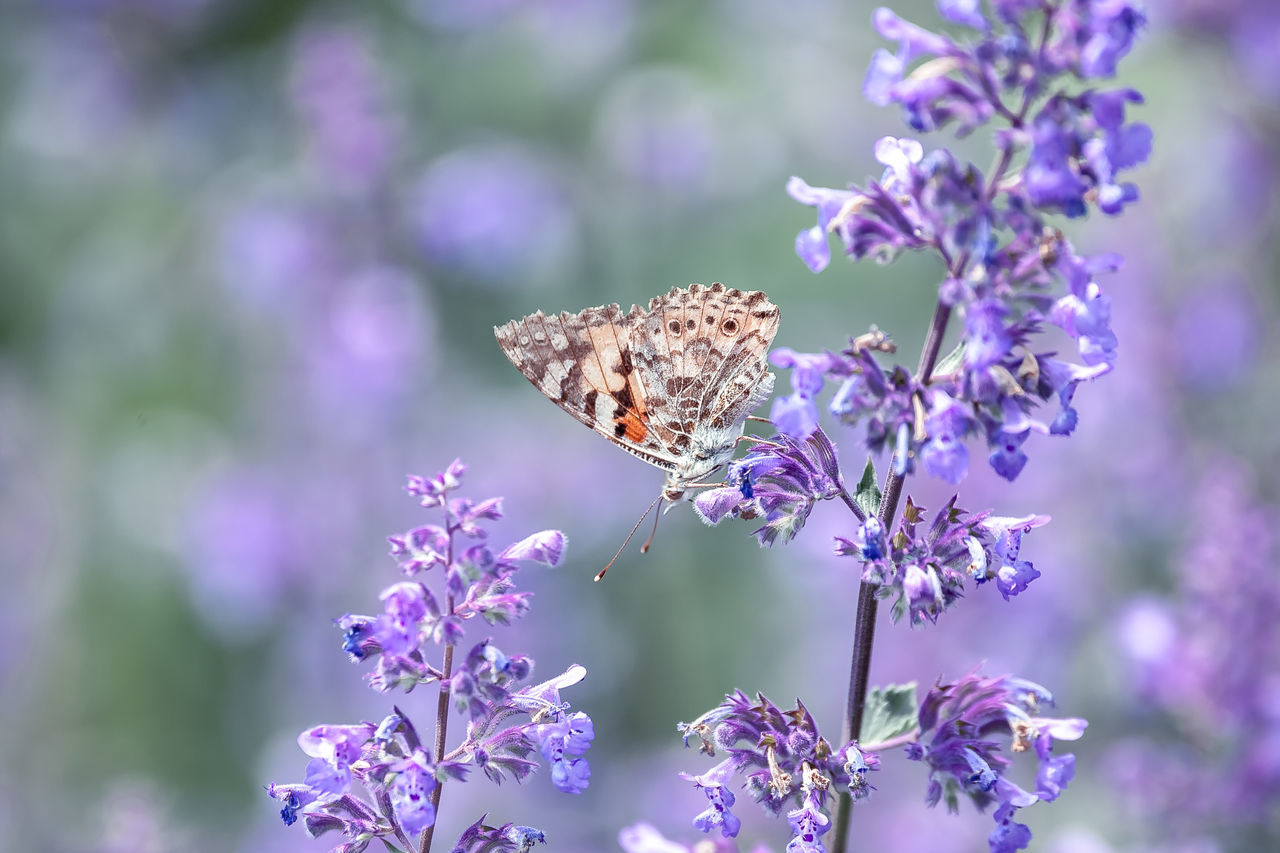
(410, 793)
(388, 760)
(1112, 26)
(808, 823)
(1011, 574)
(786, 761)
(913, 41)
(1008, 835)
(333, 749)
(967, 12)
(546, 547)
(562, 744)
(944, 454)
(957, 725)
(480, 838)
(785, 478)
(717, 815)
(339, 95)
(796, 415)
(495, 215)
(811, 245)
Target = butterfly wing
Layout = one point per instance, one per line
(584, 364)
(701, 354)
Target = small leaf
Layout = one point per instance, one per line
(898, 610)
(950, 363)
(867, 495)
(889, 712)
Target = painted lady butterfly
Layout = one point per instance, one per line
(672, 385)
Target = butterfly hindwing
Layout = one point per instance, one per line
(705, 351)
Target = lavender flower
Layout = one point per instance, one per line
(508, 722)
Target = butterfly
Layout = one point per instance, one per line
(673, 384)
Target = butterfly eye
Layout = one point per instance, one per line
(729, 326)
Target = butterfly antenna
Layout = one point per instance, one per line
(600, 574)
(644, 549)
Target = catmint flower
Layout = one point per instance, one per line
(479, 838)
(333, 749)
(796, 415)
(1010, 573)
(1008, 271)
(811, 245)
(924, 570)
(546, 547)
(562, 744)
(787, 765)
(957, 724)
(966, 12)
(717, 816)
(944, 454)
(410, 793)
(780, 480)
(808, 823)
(508, 722)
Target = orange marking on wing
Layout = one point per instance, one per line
(636, 430)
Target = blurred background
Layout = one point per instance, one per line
(251, 254)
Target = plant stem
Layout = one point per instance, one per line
(864, 628)
(442, 703)
(442, 727)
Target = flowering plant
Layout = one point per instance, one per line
(1008, 274)
(508, 720)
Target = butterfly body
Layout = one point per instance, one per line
(672, 385)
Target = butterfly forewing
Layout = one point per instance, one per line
(578, 362)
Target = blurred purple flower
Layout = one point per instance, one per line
(644, 838)
(369, 351)
(337, 90)
(497, 214)
(271, 255)
(657, 129)
(1224, 318)
(243, 537)
(1207, 659)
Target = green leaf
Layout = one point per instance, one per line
(889, 712)
(867, 495)
(950, 363)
